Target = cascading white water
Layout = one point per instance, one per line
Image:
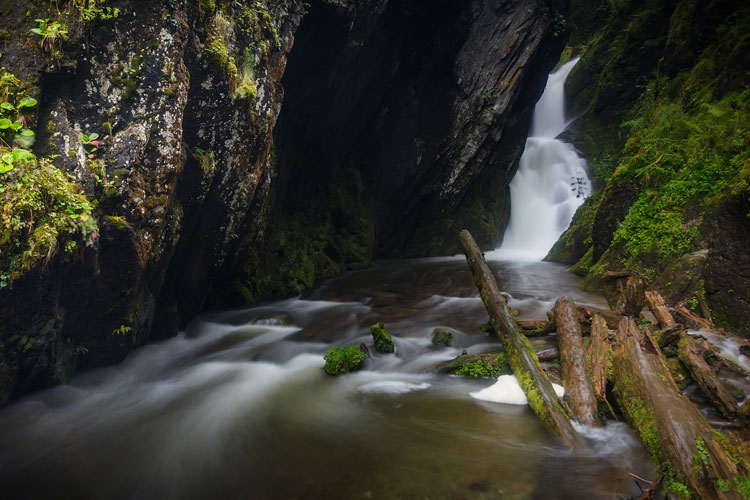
(551, 182)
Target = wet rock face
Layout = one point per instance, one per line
(727, 271)
(422, 108)
(184, 96)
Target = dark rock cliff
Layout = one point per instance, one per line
(398, 124)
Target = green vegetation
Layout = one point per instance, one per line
(340, 361)
(481, 368)
(442, 336)
(90, 11)
(52, 34)
(41, 211)
(316, 242)
(381, 338)
(686, 158)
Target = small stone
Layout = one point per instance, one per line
(442, 337)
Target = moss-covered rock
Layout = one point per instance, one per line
(382, 339)
(479, 366)
(442, 337)
(345, 360)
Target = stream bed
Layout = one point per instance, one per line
(238, 405)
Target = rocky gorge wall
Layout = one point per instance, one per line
(161, 182)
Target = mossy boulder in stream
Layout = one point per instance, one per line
(478, 366)
(442, 337)
(382, 339)
(345, 360)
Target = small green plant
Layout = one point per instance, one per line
(52, 34)
(122, 330)
(93, 10)
(340, 361)
(487, 96)
(382, 339)
(91, 144)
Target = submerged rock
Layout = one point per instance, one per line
(442, 337)
(382, 339)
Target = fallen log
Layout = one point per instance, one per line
(692, 356)
(531, 377)
(690, 320)
(579, 391)
(599, 355)
(655, 302)
(695, 459)
(612, 318)
(533, 328)
(547, 354)
(670, 335)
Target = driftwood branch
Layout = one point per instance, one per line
(525, 365)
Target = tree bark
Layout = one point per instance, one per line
(579, 391)
(691, 356)
(524, 363)
(690, 453)
(599, 355)
(691, 320)
(659, 309)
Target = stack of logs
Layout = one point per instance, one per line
(695, 460)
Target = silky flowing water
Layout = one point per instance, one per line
(238, 406)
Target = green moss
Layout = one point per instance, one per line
(318, 241)
(442, 336)
(381, 338)
(341, 361)
(117, 222)
(481, 367)
(42, 212)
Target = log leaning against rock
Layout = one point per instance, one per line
(534, 382)
(579, 391)
(692, 456)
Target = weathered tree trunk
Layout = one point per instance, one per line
(631, 299)
(523, 362)
(579, 392)
(691, 320)
(599, 355)
(659, 309)
(691, 356)
(691, 455)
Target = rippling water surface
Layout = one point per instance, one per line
(238, 406)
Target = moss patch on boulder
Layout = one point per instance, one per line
(382, 339)
(442, 337)
(345, 360)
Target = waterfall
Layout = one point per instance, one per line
(551, 182)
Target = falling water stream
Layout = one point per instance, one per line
(551, 182)
(238, 406)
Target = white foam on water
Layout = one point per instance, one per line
(393, 387)
(507, 390)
